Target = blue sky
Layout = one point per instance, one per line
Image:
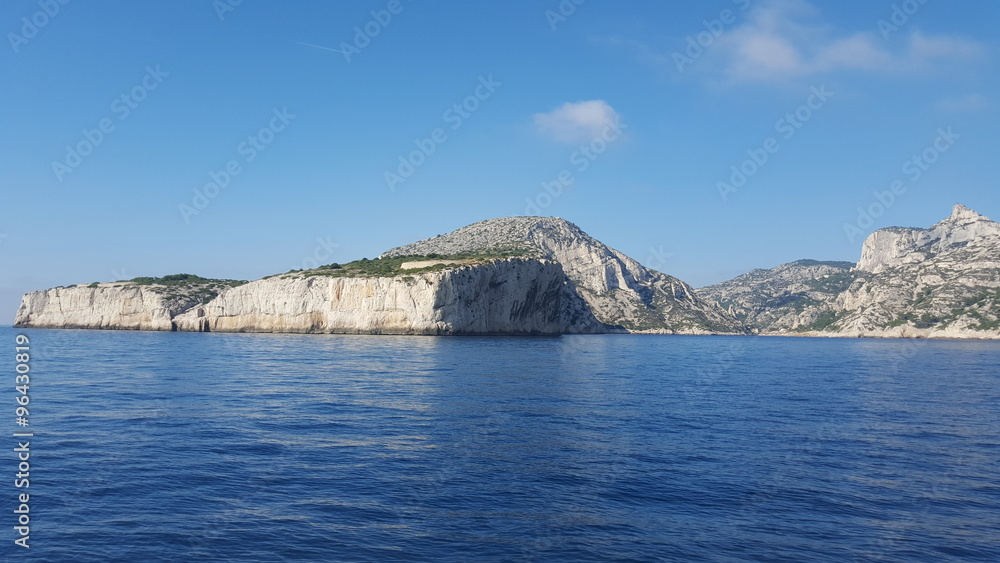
(239, 139)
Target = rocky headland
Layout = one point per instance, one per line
(520, 275)
(544, 275)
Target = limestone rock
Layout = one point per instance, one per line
(620, 291)
(125, 306)
(511, 296)
(791, 297)
(896, 246)
(552, 278)
(939, 282)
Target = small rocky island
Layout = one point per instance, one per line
(544, 275)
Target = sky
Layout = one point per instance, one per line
(237, 139)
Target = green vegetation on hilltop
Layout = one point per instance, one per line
(392, 266)
(187, 287)
(833, 263)
(184, 279)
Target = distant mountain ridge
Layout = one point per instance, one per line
(941, 282)
(788, 297)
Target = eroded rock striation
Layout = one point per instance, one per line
(939, 282)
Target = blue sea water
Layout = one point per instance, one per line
(253, 447)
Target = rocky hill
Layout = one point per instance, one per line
(620, 291)
(939, 282)
(522, 275)
(796, 296)
(943, 281)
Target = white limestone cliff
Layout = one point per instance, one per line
(898, 246)
(107, 306)
(511, 296)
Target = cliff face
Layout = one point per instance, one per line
(512, 296)
(109, 306)
(940, 282)
(898, 247)
(618, 290)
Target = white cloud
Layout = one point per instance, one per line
(970, 103)
(941, 47)
(784, 39)
(577, 122)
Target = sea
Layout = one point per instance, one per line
(150, 446)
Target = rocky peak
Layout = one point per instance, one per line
(616, 286)
(938, 282)
(587, 261)
(536, 234)
(962, 214)
(895, 246)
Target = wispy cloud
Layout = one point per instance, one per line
(965, 104)
(321, 47)
(576, 122)
(785, 39)
(782, 41)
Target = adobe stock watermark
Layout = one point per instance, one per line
(563, 11)
(913, 168)
(899, 16)
(249, 149)
(696, 44)
(657, 258)
(456, 116)
(321, 254)
(31, 25)
(223, 7)
(721, 366)
(120, 275)
(365, 34)
(122, 107)
(581, 159)
(786, 127)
